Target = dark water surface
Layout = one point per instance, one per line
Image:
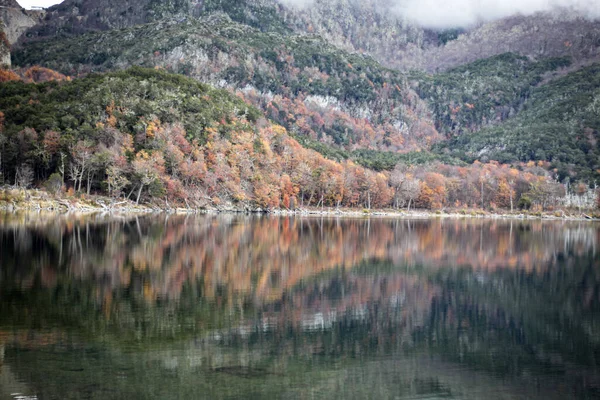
(213, 307)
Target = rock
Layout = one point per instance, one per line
(17, 20)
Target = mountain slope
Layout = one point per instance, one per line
(483, 93)
(156, 135)
(544, 35)
(560, 123)
(380, 109)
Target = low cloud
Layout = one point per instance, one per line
(463, 13)
(297, 3)
(441, 14)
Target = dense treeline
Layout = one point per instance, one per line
(150, 136)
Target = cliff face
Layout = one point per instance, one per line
(4, 47)
(16, 19)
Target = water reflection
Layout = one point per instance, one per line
(298, 307)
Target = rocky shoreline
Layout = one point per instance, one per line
(15, 200)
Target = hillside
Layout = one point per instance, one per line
(483, 93)
(373, 27)
(154, 135)
(539, 36)
(560, 123)
(332, 78)
(346, 99)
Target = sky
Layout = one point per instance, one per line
(39, 3)
(448, 13)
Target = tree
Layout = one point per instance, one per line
(288, 190)
(82, 154)
(433, 191)
(406, 187)
(410, 191)
(115, 181)
(148, 168)
(24, 176)
(544, 192)
(54, 183)
(2, 142)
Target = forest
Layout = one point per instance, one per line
(156, 137)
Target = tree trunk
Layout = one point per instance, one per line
(409, 200)
(89, 183)
(482, 194)
(137, 201)
(131, 192)
(62, 167)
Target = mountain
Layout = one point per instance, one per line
(372, 27)
(348, 99)
(356, 81)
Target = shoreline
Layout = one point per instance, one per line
(16, 200)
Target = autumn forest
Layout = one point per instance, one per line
(150, 136)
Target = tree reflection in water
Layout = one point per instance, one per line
(279, 301)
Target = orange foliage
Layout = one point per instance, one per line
(39, 74)
(8, 75)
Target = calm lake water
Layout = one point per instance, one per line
(176, 307)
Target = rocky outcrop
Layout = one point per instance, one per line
(4, 47)
(17, 20)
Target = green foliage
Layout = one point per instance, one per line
(381, 160)
(261, 16)
(168, 8)
(139, 94)
(329, 152)
(54, 183)
(449, 35)
(559, 123)
(482, 93)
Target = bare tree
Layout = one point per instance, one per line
(24, 176)
(82, 154)
(406, 187)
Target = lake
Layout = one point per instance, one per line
(233, 306)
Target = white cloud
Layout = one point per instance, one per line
(446, 13)
(38, 3)
(297, 3)
(462, 13)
